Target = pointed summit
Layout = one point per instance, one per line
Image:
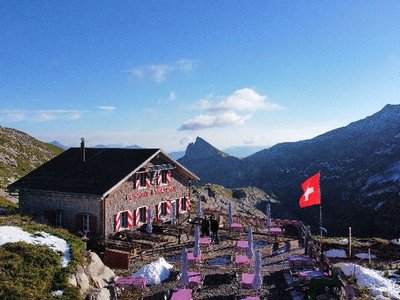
(201, 149)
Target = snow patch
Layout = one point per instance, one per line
(395, 241)
(365, 256)
(335, 253)
(13, 234)
(57, 293)
(375, 282)
(155, 272)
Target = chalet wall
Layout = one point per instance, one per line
(37, 203)
(118, 201)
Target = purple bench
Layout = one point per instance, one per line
(182, 294)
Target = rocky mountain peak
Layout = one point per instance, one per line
(201, 149)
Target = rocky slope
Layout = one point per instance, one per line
(360, 174)
(245, 201)
(20, 154)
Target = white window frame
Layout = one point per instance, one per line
(85, 223)
(163, 208)
(59, 218)
(124, 219)
(164, 177)
(140, 214)
(142, 180)
(183, 204)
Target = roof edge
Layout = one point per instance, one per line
(130, 174)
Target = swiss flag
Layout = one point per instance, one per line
(311, 191)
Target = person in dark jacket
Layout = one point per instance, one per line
(205, 227)
(214, 230)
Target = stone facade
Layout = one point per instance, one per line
(45, 205)
(126, 198)
(67, 209)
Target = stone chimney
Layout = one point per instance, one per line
(83, 149)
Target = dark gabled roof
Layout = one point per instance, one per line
(102, 170)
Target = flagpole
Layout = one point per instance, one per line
(320, 205)
(320, 219)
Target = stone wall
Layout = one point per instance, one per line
(37, 203)
(118, 201)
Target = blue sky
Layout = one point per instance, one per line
(160, 73)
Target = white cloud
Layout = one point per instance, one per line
(107, 107)
(159, 72)
(172, 96)
(227, 111)
(12, 116)
(209, 121)
(248, 141)
(40, 115)
(240, 100)
(186, 140)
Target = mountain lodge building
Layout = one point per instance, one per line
(101, 191)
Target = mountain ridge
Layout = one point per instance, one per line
(20, 153)
(359, 174)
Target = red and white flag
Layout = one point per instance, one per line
(311, 191)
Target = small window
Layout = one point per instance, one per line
(85, 223)
(183, 204)
(124, 219)
(142, 179)
(163, 209)
(59, 218)
(164, 176)
(142, 214)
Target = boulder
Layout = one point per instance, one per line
(82, 280)
(100, 294)
(72, 280)
(98, 272)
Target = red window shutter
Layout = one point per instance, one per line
(130, 219)
(78, 222)
(169, 177)
(136, 183)
(117, 222)
(93, 225)
(147, 180)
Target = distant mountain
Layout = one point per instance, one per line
(243, 151)
(360, 174)
(118, 146)
(211, 164)
(20, 153)
(177, 154)
(58, 144)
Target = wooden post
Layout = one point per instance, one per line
(349, 254)
(369, 255)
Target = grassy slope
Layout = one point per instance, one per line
(33, 272)
(20, 154)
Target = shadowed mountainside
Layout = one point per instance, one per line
(359, 165)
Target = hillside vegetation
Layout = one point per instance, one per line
(20, 154)
(33, 271)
